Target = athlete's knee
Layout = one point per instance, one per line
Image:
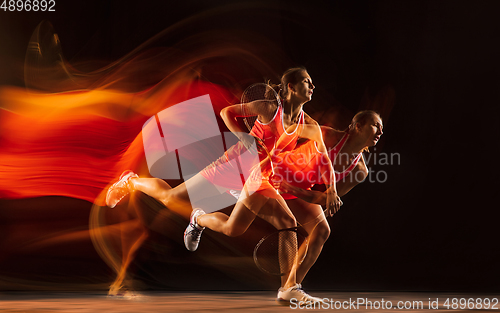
(166, 197)
(322, 232)
(232, 231)
(286, 221)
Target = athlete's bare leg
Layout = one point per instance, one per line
(274, 211)
(277, 212)
(131, 241)
(133, 234)
(244, 213)
(176, 199)
(137, 230)
(314, 222)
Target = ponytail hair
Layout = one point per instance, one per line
(275, 87)
(289, 77)
(361, 117)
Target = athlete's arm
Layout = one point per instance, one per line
(311, 196)
(230, 114)
(356, 176)
(262, 108)
(359, 173)
(313, 131)
(327, 173)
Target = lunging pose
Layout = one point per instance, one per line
(296, 171)
(285, 122)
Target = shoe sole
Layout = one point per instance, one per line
(185, 242)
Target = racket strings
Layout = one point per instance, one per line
(259, 96)
(258, 92)
(277, 253)
(280, 251)
(287, 250)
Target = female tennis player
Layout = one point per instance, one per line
(296, 90)
(296, 171)
(345, 148)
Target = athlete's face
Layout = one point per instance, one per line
(372, 130)
(303, 89)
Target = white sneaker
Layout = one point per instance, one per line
(119, 189)
(296, 293)
(192, 234)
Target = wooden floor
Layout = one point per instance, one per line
(32, 302)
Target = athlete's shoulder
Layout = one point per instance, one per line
(309, 120)
(267, 110)
(332, 136)
(339, 134)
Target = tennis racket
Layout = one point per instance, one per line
(277, 252)
(259, 100)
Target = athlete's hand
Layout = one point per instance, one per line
(278, 183)
(283, 186)
(333, 202)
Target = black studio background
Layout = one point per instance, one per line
(433, 224)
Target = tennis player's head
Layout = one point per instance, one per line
(296, 85)
(367, 126)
